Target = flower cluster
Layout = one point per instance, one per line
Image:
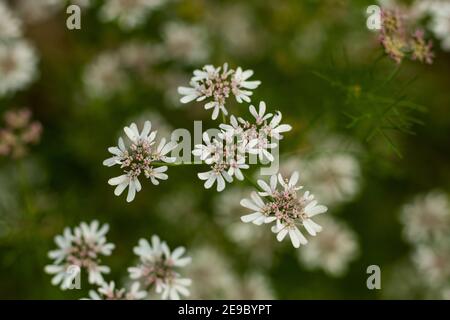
(143, 156)
(285, 206)
(19, 132)
(83, 248)
(426, 222)
(399, 43)
(109, 72)
(216, 84)
(332, 250)
(108, 291)
(129, 14)
(231, 150)
(158, 266)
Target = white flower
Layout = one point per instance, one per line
(427, 217)
(230, 152)
(128, 13)
(104, 76)
(336, 176)
(217, 175)
(157, 268)
(286, 207)
(439, 24)
(34, 11)
(332, 250)
(140, 158)
(81, 247)
(185, 43)
(18, 66)
(434, 262)
(108, 291)
(10, 25)
(217, 84)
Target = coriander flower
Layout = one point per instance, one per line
(18, 133)
(332, 250)
(128, 13)
(232, 149)
(81, 247)
(158, 267)
(426, 217)
(216, 84)
(18, 66)
(108, 291)
(10, 25)
(143, 156)
(286, 207)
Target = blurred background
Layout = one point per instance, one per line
(370, 138)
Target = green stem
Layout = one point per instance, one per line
(251, 181)
(25, 190)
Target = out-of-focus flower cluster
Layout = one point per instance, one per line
(18, 60)
(82, 248)
(19, 131)
(426, 226)
(399, 42)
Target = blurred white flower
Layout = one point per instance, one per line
(18, 66)
(336, 176)
(213, 278)
(108, 291)
(104, 76)
(433, 262)
(285, 206)
(439, 24)
(427, 217)
(10, 24)
(128, 13)
(140, 157)
(185, 43)
(34, 11)
(217, 84)
(332, 250)
(235, 25)
(82, 247)
(158, 267)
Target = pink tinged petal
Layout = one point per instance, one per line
(212, 178)
(215, 113)
(309, 227)
(249, 205)
(204, 175)
(275, 120)
(119, 189)
(259, 221)
(301, 237)
(281, 234)
(284, 128)
(312, 209)
(131, 192)
(251, 217)
(294, 178)
(146, 129)
(294, 238)
(118, 180)
(138, 184)
(270, 219)
(253, 111)
(220, 183)
(257, 199)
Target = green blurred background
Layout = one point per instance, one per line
(319, 65)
